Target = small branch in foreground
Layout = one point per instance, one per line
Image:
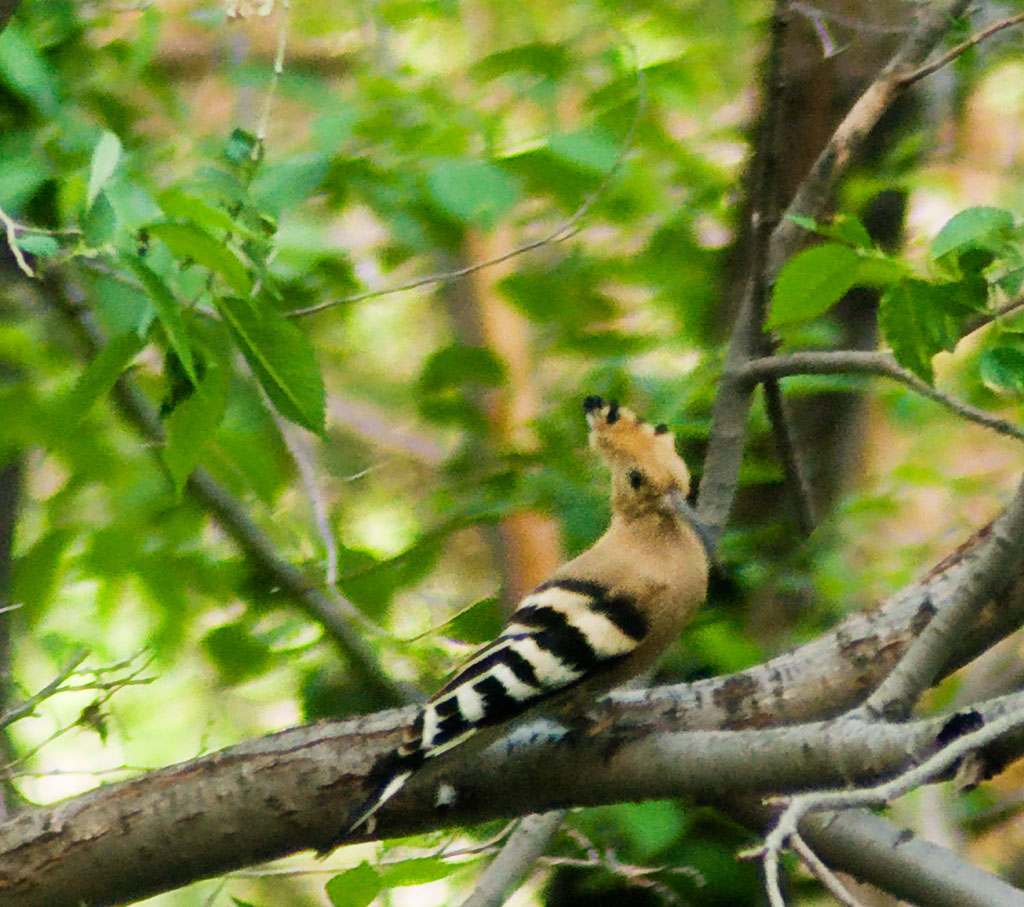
(867, 362)
(93, 715)
(877, 795)
(979, 321)
(11, 231)
(507, 871)
(821, 872)
(268, 102)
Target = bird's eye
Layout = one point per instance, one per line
(636, 478)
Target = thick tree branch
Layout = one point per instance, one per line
(870, 847)
(290, 791)
(286, 792)
(917, 669)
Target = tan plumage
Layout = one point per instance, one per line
(600, 619)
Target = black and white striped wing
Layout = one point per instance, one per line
(562, 634)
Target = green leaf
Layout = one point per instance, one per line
(812, 282)
(415, 872)
(652, 826)
(105, 158)
(236, 653)
(37, 244)
(808, 223)
(96, 381)
(355, 888)
(918, 319)
(472, 192)
(26, 71)
(100, 222)
(192, 424)
(844, 228)
(1002, 370)
(37, 572)
(175, 203)
(458, 366)
(476, 624)
(975, 226)
(281, 358)
(847, 228)
(589, 150)
(283, 185)
(241, 147)
(187, 241)
(168, 310)
(878, 270)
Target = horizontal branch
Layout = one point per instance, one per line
(867, 846)
(866, 362)
(292, 791)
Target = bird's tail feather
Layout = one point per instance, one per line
(386, 779)
(381, 794)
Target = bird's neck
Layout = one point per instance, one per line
(648, 528)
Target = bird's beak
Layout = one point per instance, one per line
(677, 501)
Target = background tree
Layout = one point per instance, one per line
(298, 311)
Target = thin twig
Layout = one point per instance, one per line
(785, 444)
(979, 321)
(11, 229)
(821, 872)
(867, 362)
(867, 28)
(507, 870)
(107, 692)
(268, 102)
(28, 706)
(945, 59)
(563, 231)
(302, 455)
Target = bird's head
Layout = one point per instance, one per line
(647, 473)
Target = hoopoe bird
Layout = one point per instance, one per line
(600, 619)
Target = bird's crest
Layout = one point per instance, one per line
(640, 455)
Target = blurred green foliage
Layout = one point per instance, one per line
(143, 198)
